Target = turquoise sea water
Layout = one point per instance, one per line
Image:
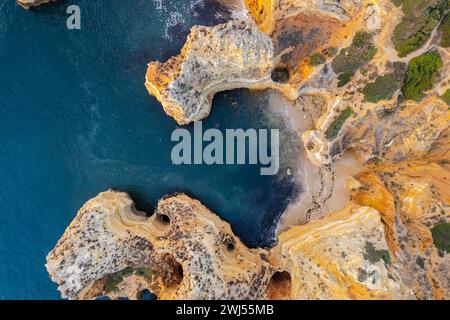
(76, 119)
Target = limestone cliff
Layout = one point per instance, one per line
(223, 57)
(342, 256)
(183, 251)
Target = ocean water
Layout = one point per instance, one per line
(76, 119)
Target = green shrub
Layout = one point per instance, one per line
(350, 59)
(344, 78)
(420, 75)
(383, 88)
(420, 19)
(337, 124)
(317, 59)
(146, 273)
(374, 255)
(441, 236)
(330, 52)
(357, 55)
(114, 279)
(444, 29)
(446, 97)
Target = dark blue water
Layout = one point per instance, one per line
(75, 120)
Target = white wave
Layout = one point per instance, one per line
(237, 8)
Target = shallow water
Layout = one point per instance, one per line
(75, 120)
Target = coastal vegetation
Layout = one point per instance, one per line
(422, 71)
(337, 124)
(444, 30)
(441, 236)
(114, 279)
(385, 86)
(317, 59)
(374, 255)
(446, 97)
(350, 59)
(420, 18)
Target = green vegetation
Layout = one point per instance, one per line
(446, 97)
(317, 59)
(146, 273)
(350, 59)
(114, 279)
(337, 124)
(384, 87)
(441, 236)
(420, 75)
(444, 30)
(330, 52)
(420, 19)
(344, 78)
(374, 255)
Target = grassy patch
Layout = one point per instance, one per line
(420, 75)
(337, 124)
(444, 30)
(420, 19)
(146, 273)
(350, 59)
(384, 87)
(374, 255)
(441, 236)
(344, 78)
(114, 279)
(317, 59)
(446, 97)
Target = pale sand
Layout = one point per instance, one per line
(306, 174)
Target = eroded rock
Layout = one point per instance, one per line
(213, 59)
(183, 251)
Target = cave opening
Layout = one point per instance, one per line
(279, 287)
(280, 75)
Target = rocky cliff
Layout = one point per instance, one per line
(183, 251)
(223, 57)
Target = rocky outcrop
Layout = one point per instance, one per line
(183, 251)
(267, 13)
(28, 4)
(223, 57)
(186, 252)
(378, 133)
(342, 256)
(413, 198)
